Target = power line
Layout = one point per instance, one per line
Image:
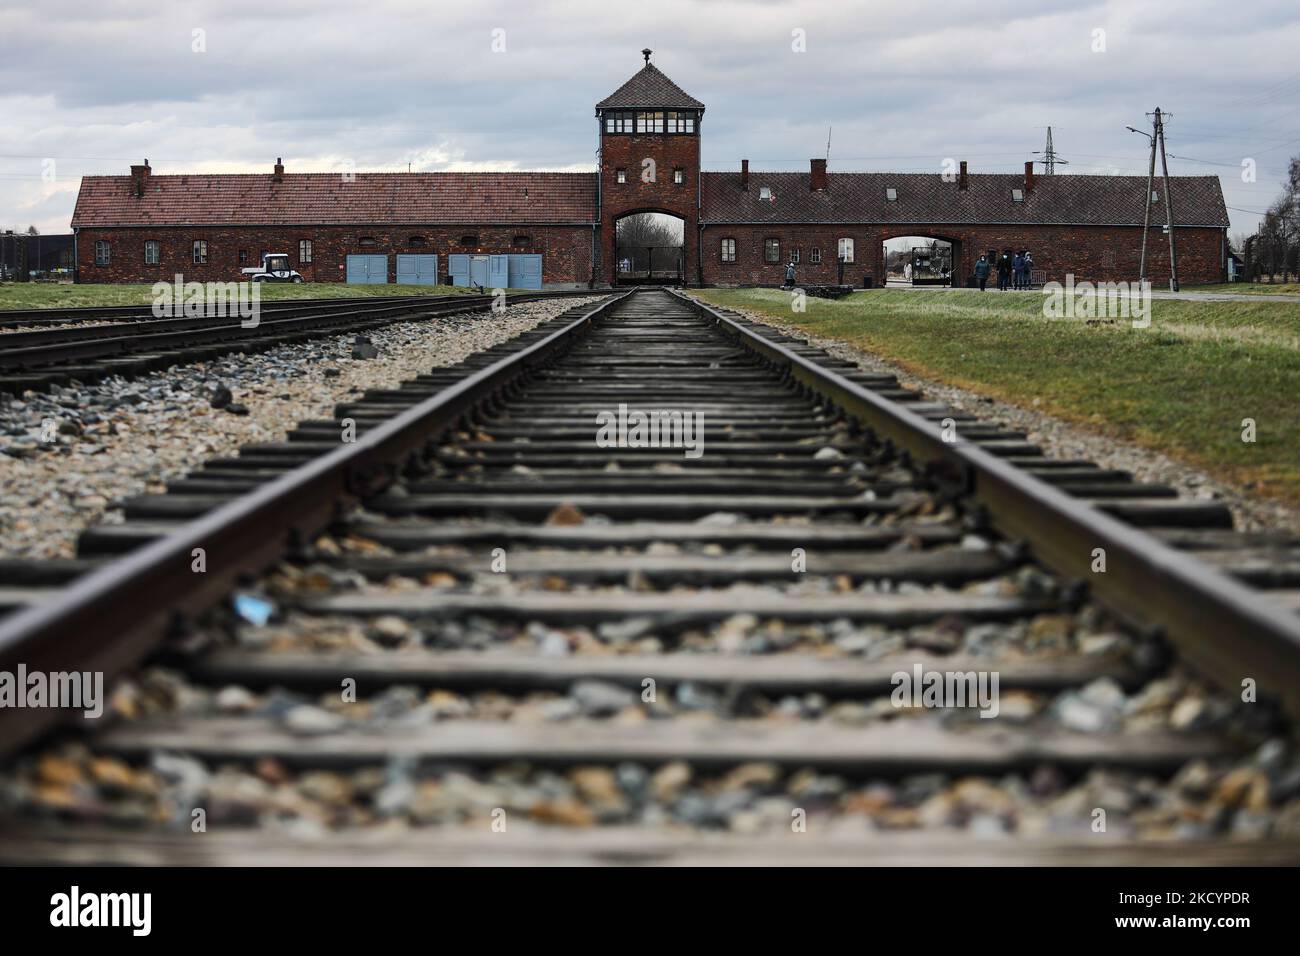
(1050, 156)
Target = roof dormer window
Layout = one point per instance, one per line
(765, 192)
(1017, 195)
(891, 194)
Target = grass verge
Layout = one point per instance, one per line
(49, 295)
(1182, 386)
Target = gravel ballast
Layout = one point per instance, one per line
(123, 437)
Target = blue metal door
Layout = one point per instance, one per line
(417, 270)
(458, 269)
(478, 270)
(525, 271)
(367, 270)
(499, 272)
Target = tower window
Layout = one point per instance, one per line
(620, 122)
(680, 122)
(650, 122)
(728, 250)
(679, 175)
(620, 175)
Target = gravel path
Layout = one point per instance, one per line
(1066, 440)
(120, 437)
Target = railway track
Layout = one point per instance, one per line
(476, 635)
(39, 358)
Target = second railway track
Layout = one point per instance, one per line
(489, 638)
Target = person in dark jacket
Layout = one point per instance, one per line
(1029, 269)
(982, 272)
(1017, 271)
(1004, 271)
(789, 274)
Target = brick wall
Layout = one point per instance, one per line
(565, 250)
(1091, 253)
(667, 151)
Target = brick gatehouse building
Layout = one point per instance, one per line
(558, 229)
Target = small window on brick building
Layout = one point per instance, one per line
(846, 250)
(1017, 195)
(304, 252)
(101, 252)
(620, 175)
(679, 175)
(728, 250)
(522, 241)
(815, 256)
(243, 257)
(891, 194)
(764, 192)
(367, 242)
(796, 255)
(416, 242)
(152, 252)
(469, 240)
(771, 250)
(200, 251)
(1155, 196)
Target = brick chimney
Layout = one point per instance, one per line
(1029, 176)
(817, 175)
(279, 170)
(744, 175)
(139, 178)
(961, 176)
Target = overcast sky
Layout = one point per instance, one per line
(89, 88)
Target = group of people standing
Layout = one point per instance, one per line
(1013, 270)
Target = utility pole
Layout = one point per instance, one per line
(1050, 156)
(1159, 122)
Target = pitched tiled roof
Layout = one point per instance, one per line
(325, 199)
(650, 87)
(926, 198)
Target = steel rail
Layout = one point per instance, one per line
(1229, 631)
(110, 618)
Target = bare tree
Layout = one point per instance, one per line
(637, 234)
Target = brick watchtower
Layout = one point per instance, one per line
(649, 160)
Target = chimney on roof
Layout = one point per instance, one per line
(279, 170)
(744, 175)
(817, 177)
(139, 176)
(961, 176)
(1029, 176)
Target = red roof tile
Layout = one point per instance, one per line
(926, 198)
(326, 199)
